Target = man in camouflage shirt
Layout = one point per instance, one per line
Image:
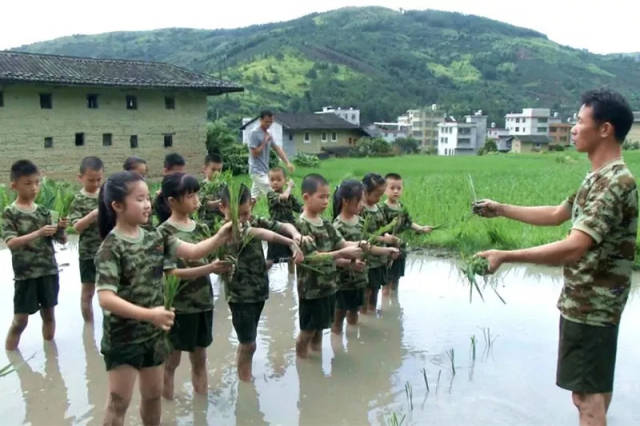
(597, 255)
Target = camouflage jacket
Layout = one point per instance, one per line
(36, 259)
(282, 210)
(250, 282)
(134, 270)
(89, 240)
(400, 211)
(209, 192)
(311, 284)
(350, 231)
(194, 295)
(376, 219)
(605, 207)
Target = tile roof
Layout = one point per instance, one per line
(533, 138)
(76, 71)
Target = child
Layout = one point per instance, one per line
(248, 286)
(192, 329)
(84, 219)
(209, 212)
(352, 279)
(29, 234)
(316, 291)
(136, 164)
(173, 163)
(282, 205)
(129, 282)
(392, 209)
(374, 187)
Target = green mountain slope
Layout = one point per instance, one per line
(380, 60)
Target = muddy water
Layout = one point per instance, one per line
(374, 371)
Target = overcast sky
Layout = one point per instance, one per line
(601, 27)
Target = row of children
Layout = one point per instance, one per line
(129, 259)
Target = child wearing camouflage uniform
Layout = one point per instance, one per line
(282, 205)
(209, 212)
(83, 216)
(29, 234)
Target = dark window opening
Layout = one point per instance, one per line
(79, 139)
(48, 142)
(92, 101)
(133, 141)
(1, 99)
(132, 102)
(45, 101)
(290, 136)
(169, 102)
(168, 141)
(106, 139)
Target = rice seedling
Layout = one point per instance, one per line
(470, 267)
(6, 370)
(452, 358)
(438, 381)
(171, 288)
(408, 390)
(394, 420)
(488, 339)
(473, 347)
(62, 204)
(426, 381)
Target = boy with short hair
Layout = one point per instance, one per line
(393, 208)
(209, 212)
(174, 163)
(317, 291)
(136, 164)
(282, 205)
(29, 234)
(84, 219)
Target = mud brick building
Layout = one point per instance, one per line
(55, 110)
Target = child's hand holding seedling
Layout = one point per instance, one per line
(47, 230)
(161, 317)
(391, 240)
(220, 267)
(486, 208)
(297, 254)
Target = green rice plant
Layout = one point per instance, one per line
(452, 358)
(62, 204)
(426, 381)
(408, 390)
(470, 267)
(171, 288)
(394, 420)
(47, 195)
(6, 370)
(473, 347)
(438, 381)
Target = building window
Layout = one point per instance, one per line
(307, 138)
(92, 101)
(334, 137)
(45, 101)
(290, 136)
(542, 129)
(106, 139)
(542, 120)
(517, 120)
(133, 141)
(168, 141)
(1, 99)
(323, 137)
(169, 102)
(517, 129)
(48, 142)
(79, 139)
(132, 102)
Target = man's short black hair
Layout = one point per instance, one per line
(312, 182)
(608, 106)
(91, 163)
(266, 113)
(392, 176)
(23, 168)
(212, 158)
(173, 160)
(131, 162)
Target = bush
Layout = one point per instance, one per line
(631, 146)
(407, 145)
(372, 147)
(489, 146)
(306, 160)
(556, 147)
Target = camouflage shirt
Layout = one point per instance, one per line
(250, 282)
(209, 192)
(194, 295)
(399, 211)
(82, 205)
(605, 207)
(133, 269)
(36, 259)
(311, 284)
(350, 231)
(376, 219)
(282, 210)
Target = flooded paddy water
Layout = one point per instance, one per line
(373, 372)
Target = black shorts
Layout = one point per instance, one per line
(191, 331)
(349, 300)
(245, 318)
(33, 294)
(586, 357)
(377, 277)
(87, 271)
(317, 314)
(140, 355)
(278, 252)
(397, 269)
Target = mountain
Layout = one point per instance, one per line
(378, 59)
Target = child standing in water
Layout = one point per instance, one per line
(192, 329)
(352, 278)
(393, 208)
(282, 205)
(129, 281)
(374, 187)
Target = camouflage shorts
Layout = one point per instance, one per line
(140, 355)
(87, 271)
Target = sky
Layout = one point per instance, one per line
(600, 27)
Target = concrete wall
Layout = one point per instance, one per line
(315, 143)
(24, 125)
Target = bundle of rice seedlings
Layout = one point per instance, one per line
(62, 204)
(473, 266)
(47, 194)
(313, 261)
(171, 288)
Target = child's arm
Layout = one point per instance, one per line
(392, 252)
(425, 229)
(215, 267)
(272, 237)
(287, 193)
(191, 251)
(83, 223)
(157, 316)
(291, 231)
(45, 231)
